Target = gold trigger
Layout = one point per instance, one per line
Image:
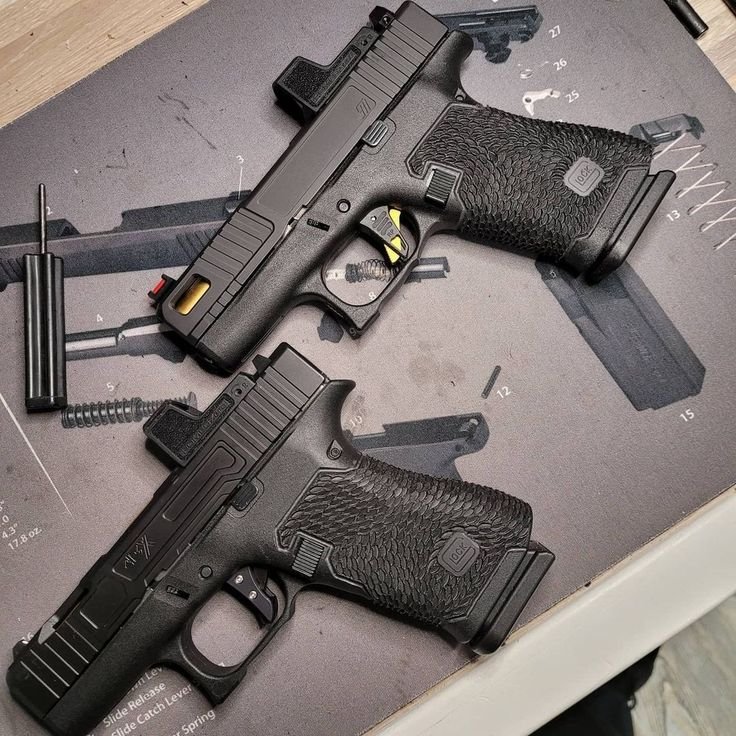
(395, 216)
(391, 250)
(396, 247)
(384, 225)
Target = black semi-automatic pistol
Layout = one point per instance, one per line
(269, 488)
(394, 150)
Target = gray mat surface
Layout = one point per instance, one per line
(189, 115)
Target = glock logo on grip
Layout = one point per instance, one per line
(583, 176)
(458, 554)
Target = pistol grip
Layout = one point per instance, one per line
(440, 552)
(570, 193)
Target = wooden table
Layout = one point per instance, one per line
(48, 45)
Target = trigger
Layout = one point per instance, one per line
(249, 586)
(382, 226)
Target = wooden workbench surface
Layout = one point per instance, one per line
(48, 45)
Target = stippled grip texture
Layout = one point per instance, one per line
(389, 529)
(513, 175)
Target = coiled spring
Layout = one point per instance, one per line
(374, 269)
(117, 411)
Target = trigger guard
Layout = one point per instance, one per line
(358, 317)
(215, 681)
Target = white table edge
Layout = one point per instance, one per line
(587, 638)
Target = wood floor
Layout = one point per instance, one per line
(693, 689)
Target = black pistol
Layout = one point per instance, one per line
(270, 491)
(393, 151)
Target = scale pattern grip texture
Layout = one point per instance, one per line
(387, 527)
(513, 170)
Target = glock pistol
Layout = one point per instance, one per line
(269, 490)
(393, 151)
